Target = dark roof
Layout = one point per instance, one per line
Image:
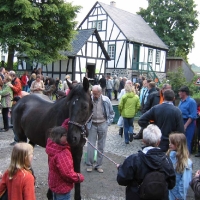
(81, 38)
(132, 26)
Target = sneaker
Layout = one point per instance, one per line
(197, 155)
(99, 170)
(126, 142)
(4, 130)
(131, 137)
(89, 169)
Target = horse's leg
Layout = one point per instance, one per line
(49, 195)
(77, 154)
(22, 137)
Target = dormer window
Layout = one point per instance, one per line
(97, 25)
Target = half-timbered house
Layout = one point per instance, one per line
(87, 57)
(134, 48)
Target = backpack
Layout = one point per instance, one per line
(154, 186)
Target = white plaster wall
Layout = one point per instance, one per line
(110, 63)
(109, 28)
(94, 50)
(56, 66)
(115, 33)
(91, 61)
(89, 49)
(102, 35)
(49, 66)
(129, 55)
(92, 18)
(70, 66)
(121, 37)
(63, 65)
(120, 54)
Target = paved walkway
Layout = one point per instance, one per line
(114, 145)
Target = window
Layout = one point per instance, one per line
(111, 51)
(150, 55)
(97, 25)
(3, 58)
(157, 56)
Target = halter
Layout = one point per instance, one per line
(83, 127)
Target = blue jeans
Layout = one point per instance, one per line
(109, 93)
(189, 133)
(128, 128)
(65, 196)
(25, 88)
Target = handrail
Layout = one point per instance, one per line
(143, 67)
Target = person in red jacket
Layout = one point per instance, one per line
(24, 81)
(18, 179)
(15, 84)
(61, 177)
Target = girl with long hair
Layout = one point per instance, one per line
(179, 155)
(18, 179)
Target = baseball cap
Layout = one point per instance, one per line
(16, 99)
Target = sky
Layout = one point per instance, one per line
(133, 7)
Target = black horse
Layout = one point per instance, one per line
(33, 116)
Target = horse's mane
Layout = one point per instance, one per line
(78, 90)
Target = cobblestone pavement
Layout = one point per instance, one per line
(115, 149)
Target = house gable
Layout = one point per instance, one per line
(128, 39)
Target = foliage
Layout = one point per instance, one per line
(194, 89)
(177, 79)
(196, 96)
(38, 30)
(15, 64)
(174, 21)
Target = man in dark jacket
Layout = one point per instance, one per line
(132, 172)
(151, 89)
(155, 98)
(166, 116)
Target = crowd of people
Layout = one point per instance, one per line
(12, 86)
(161, 170)
(167, 132)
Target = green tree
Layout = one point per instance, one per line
(175, 22)
(177, 79)
(40, 29)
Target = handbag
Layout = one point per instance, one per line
(4, 196)
(120, 122)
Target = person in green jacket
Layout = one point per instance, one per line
(128, 108)
(6, 97)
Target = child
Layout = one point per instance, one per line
(61, 176)
(18, 178)
(179, 155)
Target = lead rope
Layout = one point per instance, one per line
(100, 152)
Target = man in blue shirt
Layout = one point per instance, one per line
(188, 108)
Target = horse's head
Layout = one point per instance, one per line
(80, 110)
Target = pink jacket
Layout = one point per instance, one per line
(61, 176)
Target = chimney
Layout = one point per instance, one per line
(113, 3)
